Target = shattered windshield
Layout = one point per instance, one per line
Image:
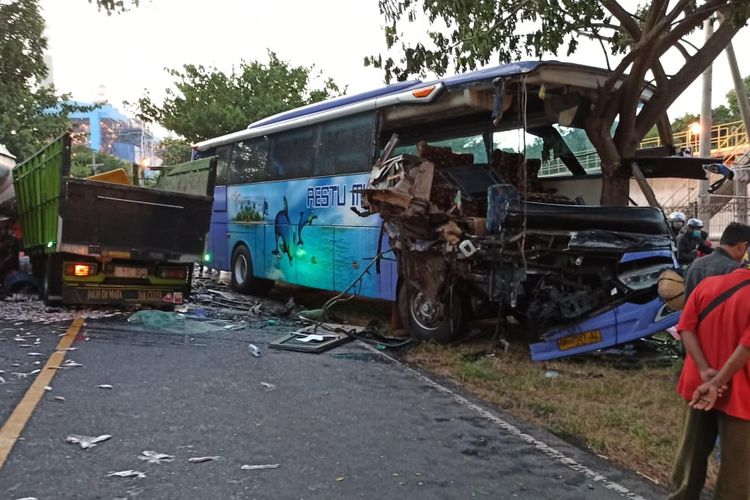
(473, 145)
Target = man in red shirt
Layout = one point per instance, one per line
(715, 328)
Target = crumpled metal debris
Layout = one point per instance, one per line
(260, 467)
(200, 460)
(254, 350)
(154, 457)
(104, 386)
(86, 441)
(127, 473)
(267, 386)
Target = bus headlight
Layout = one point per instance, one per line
(641, 279)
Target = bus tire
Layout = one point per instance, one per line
(242, 274)
(425, 320)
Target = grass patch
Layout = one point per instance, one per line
(631, 417)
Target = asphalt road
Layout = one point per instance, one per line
(348, 423)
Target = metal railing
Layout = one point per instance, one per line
(727, 140)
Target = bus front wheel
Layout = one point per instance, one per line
(242, 274)
(426, 319)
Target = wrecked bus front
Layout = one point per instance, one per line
(575, 276)
(104, 242)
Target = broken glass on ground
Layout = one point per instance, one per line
(177, 323)
(127, 473)
(200, 460)
(260, 467)
(86, 441)
(154, 457)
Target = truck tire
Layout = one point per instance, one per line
(242, 274)
(52, 280)
(426, 320)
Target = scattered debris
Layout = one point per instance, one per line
(127, 473)
(551, 374)
(254, 350)
(260, 467)
(35, 354)
(58, 399)
(2, 380)
(104, 386)
(47, 388)
(316, 338)
(267, 386)
(200, 460)
(71, 364)
(34, 310)
(153, 457)
(87, 441)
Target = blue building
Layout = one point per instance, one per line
(106, 129)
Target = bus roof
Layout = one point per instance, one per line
(398, 93)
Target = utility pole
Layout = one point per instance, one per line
(705, 134)
(740, 180)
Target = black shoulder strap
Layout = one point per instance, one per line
(721, 298)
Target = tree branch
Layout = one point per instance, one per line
(625, 18)
(655, 13)
(683, 78)
(681, 5)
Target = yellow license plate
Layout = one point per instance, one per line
(130, 272)
(584, 338)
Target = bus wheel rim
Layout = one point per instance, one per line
(240, 269)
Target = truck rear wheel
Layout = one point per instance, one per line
(242, 274)
(52, 280)
(427, 320)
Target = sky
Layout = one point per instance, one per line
(127, 54)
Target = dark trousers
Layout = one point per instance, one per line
(699, 432)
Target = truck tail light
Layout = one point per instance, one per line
(80, 269)
(176, 273)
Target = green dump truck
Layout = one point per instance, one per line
(102, 240)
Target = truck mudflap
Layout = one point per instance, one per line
(624, 323)
(88, 294)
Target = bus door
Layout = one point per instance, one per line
(218, 242)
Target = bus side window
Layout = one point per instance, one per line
(347, 145)
(222, 164)
(292, 153)
(249, 161)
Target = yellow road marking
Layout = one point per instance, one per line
(13, 427)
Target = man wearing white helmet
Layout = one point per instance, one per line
(676, 222)
(689, 242)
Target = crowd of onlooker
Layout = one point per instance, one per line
(715, 381)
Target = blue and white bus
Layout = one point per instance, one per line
(288, 188)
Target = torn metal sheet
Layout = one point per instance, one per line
(315, 340)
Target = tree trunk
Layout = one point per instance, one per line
(615, 189)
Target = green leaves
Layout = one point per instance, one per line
(29, 110)
(115, 6)
(205, 102)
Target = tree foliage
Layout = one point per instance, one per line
(174, 151)
(26, 121)
(472, 33)
(115, 6)
(86, 162)
(207, 102)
